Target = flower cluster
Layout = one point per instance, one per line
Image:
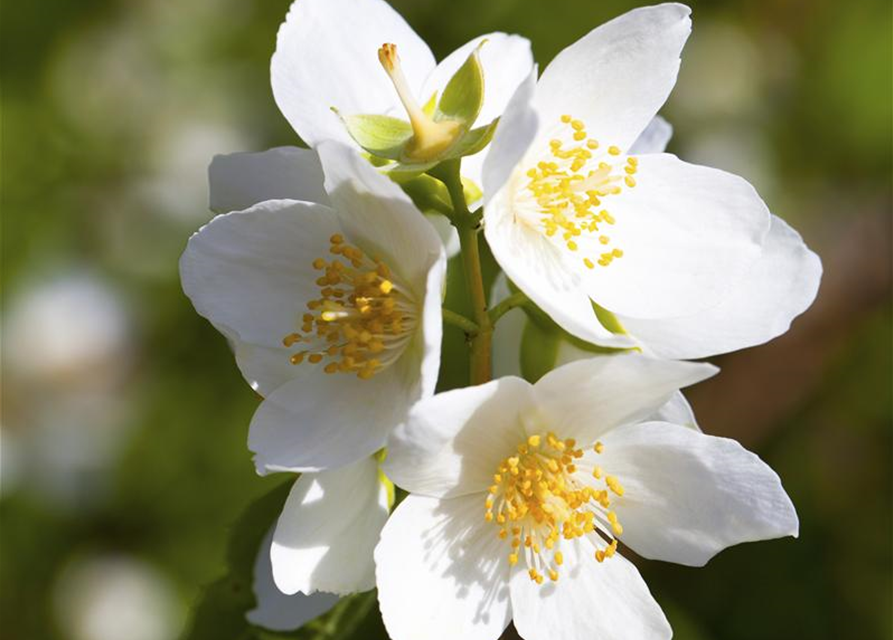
(326, 275)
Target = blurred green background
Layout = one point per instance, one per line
(124, 419)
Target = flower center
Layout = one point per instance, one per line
(363, 318)
(539, 497)
(430, 137)
(565, 194)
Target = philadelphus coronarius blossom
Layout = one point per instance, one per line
(333, 312)
(332, 305)
(361, 58)
(681, 259)
(521, 493)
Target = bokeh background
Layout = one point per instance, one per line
(124, 420)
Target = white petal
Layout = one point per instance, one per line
(516, 131)
(442, 572)
(240, 180)
(328, 529)
(453, 443)
(375, 210)
(618, 76)
(424, 360)
(688, 235)
(688, 495)
(654, 139)
(590, 600)
(539, 269)
(265, 368)
(587, 398)
(250, 273)
(324, 421)
(677, 410)
(760, 306)
(327, 56)
(275, 610)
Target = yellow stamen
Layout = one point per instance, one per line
(361, 312)
(541, 500)
(567, 189)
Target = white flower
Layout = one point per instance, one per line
(327, 56)
(520, 493)
(333, 312)
(687, 258)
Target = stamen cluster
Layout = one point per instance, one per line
(568, 191)
(537, 499)
(362, 318)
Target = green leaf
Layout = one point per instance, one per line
(355, 617)
(382, 136)
(464, 94)
(403, 171)
(220, 610)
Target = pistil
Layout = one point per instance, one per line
(430, 137)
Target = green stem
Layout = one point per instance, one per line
(515, 300)
(458, 320)
(467, 225)
(481, 367)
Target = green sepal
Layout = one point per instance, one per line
(463, 96)
(609, 320)
(474, 141)
(582, 345)
(381, 136)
